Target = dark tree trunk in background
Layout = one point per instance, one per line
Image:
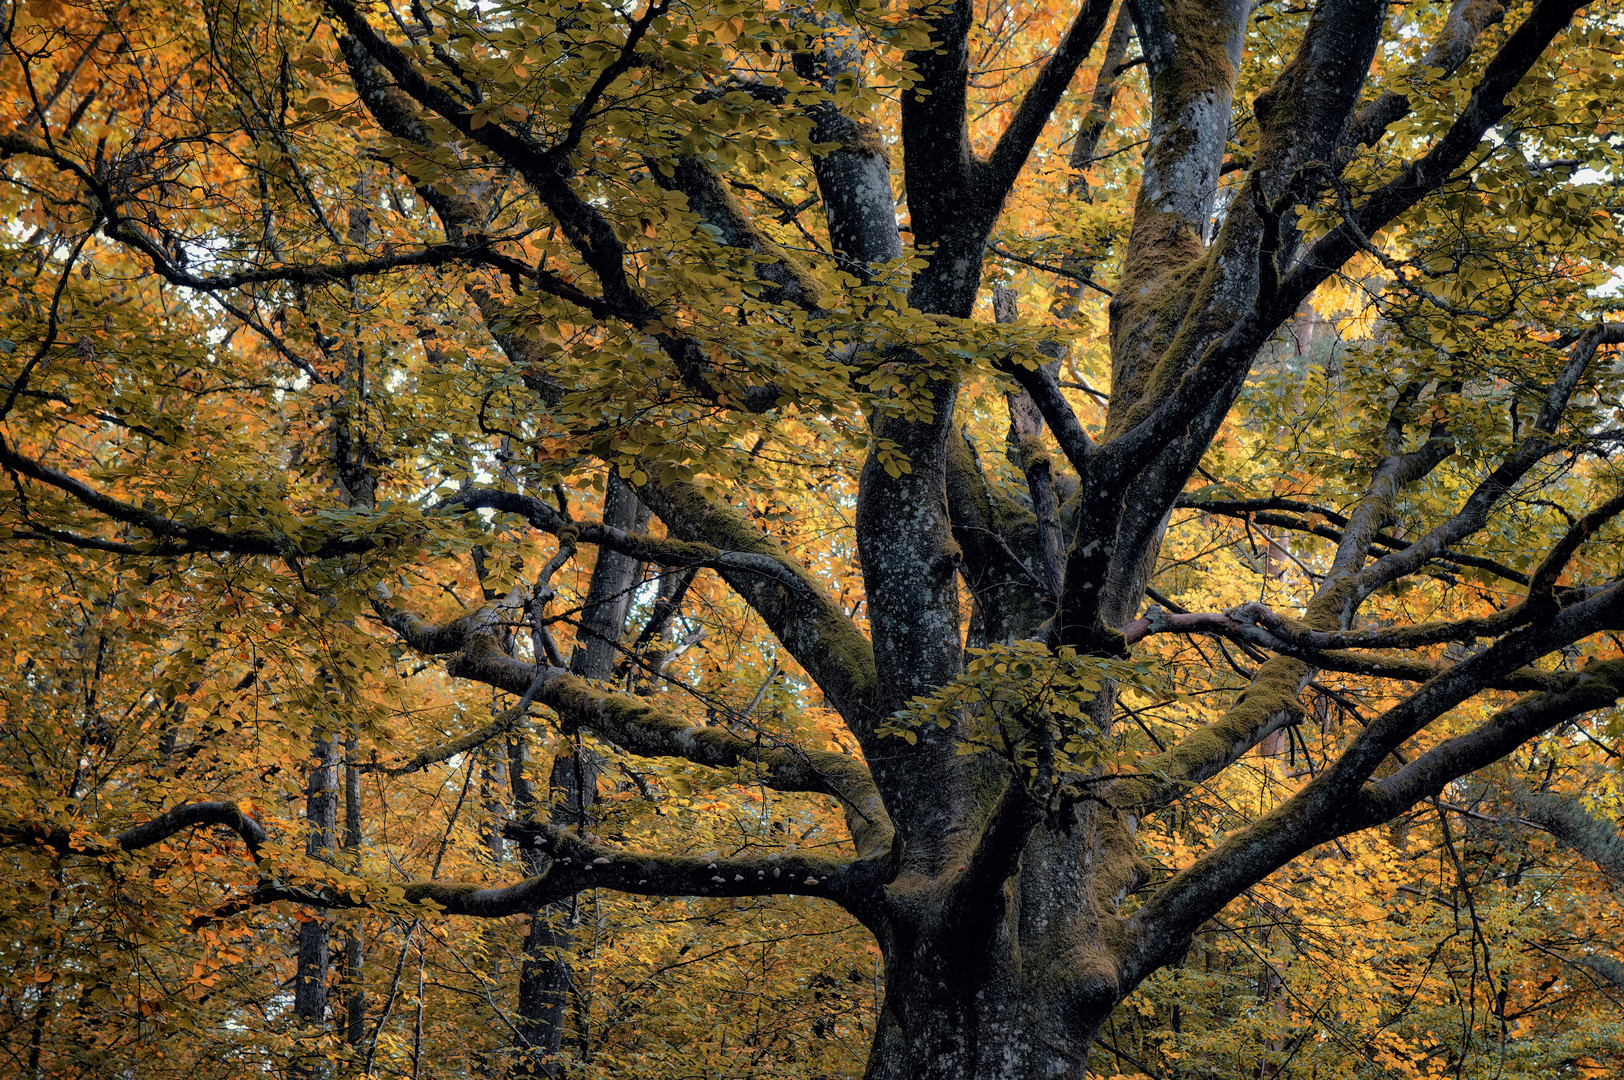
(355, 997)
(310, 983)
(545, 974)
(609, 595)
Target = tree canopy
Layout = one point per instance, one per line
(560, 537)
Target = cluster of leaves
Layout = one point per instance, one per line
(1029, 704)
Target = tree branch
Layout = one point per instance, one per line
(1598, 686)
(637, 726)
(1255, 625)
(66, 841)
(1486, 107)
(1340, 801)
(1466, 22)
(1567, 819)
(574, 864)
(821, 637)
(1258, 510)
(584, 225)
(174, 537)
(1474, 512)
(1016, 142)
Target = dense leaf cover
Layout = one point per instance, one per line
(802, 540)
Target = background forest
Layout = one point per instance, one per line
(232, 306)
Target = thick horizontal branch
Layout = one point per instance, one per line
(597, 865)
(1567, 819)
(65, 841)
(112, 547)
(574, 863)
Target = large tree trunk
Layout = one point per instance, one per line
(546, 975)
(1017, 991)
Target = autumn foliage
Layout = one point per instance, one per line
(579, 539)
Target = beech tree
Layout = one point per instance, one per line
(314, 301)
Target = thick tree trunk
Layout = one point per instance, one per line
(539, 1021)
(1004, 966)
(1002, 1000)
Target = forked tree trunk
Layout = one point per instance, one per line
(988, 977)
(998, 903)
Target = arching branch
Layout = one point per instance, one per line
(66, 841)
(638, 726)
(574, 863)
